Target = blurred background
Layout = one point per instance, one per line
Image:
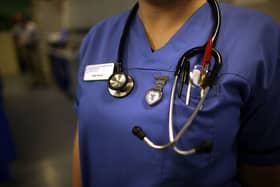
(39, 43)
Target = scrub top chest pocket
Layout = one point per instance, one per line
(195, 94)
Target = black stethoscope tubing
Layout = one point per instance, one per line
(120, 84)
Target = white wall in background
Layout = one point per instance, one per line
(85, 13)
(269, 7)
(8, 60)
(247, 2)
(48, 15)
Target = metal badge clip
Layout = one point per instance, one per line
(154, 95)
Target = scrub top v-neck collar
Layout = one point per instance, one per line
(194, 32)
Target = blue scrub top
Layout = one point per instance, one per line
(240, 115)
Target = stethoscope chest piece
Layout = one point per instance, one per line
(120, 85)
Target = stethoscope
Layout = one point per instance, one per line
(120, 84)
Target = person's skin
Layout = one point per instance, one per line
(161, 20)
(76, 169)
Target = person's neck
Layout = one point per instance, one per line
(163, 18)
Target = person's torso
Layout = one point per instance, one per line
(112, 156)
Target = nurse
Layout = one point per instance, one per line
(239, 117)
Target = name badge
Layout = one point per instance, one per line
(98, 72)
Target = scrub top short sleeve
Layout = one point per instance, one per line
(259, 140)
(80, 73)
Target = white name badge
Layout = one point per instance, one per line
(98, 72)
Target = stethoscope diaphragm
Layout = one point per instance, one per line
(120, 85)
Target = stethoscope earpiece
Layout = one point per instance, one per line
(120, 85)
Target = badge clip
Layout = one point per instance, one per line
(154, 95)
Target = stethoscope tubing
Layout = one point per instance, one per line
(182, 67)
(188, 122)
(217, 14)
(173, 140)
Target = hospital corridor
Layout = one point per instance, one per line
(42, 123)
(39, 68)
